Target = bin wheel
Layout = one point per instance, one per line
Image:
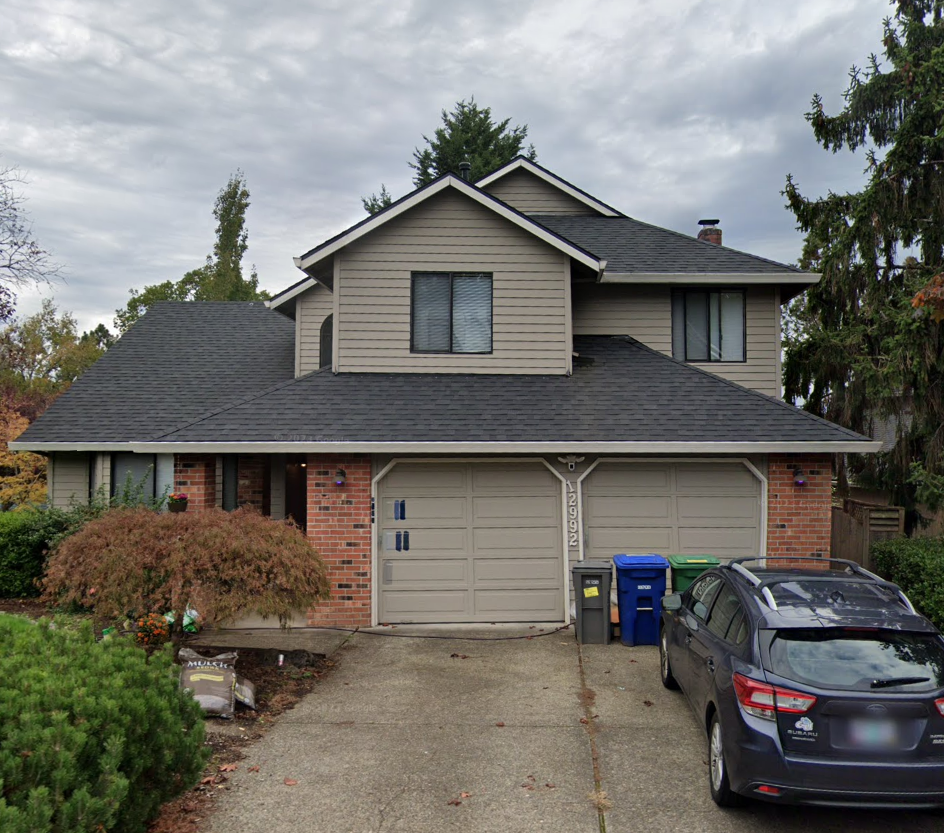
(668, 680)
(721, 792)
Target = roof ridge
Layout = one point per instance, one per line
(772, 399)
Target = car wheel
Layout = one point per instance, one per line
(721, 792)
(666, 670)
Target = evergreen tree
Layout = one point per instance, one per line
(862, 349)
(221, 277)
(470, 134)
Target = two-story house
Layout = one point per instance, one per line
(466, 393)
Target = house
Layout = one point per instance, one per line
(468, 392)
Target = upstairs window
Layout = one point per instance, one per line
(708, 325)
(451, 312)
(326, 342)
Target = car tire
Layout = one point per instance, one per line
(665, 669)
(721, 792)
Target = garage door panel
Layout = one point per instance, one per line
(424, 605)
(608, 542)
(517, 539)
(713, 478)
(520, 509)
(722, 541)
(513, 570)
(619, 479)
(443, 511)
(429, 540)
(519, 605)
(425, 480)
(719, 507)
(513, 479)
(424, 571)
(629, 510)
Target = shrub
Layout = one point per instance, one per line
(917, 566)
(132, 561)
(93, 736)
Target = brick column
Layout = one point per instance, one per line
(195, 476)
(339, 529)
(799, 518)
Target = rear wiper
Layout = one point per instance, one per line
(899, 681)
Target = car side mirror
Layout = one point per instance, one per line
(672, 602)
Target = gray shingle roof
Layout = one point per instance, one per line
(628, 245)
(175, 364)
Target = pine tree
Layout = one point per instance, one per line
(862, 350)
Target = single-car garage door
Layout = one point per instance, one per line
(470, 542)
(672, 508)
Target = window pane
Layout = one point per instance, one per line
(471, 314)
(714, 326)
(431, 313)
(723, 613)
(678, 325)
(131, 472)
(696, 326)
(732, 326)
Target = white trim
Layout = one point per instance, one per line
(713, 277)
(742, 460)
(568, 321)
(360, 447)
(449, 181)
(550, 178)
(375, 549)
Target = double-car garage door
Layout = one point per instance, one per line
(483, 542)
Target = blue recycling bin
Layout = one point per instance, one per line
(640, 586)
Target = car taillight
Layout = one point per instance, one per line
(763, 700)
(940, 706)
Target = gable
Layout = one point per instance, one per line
(530, 194)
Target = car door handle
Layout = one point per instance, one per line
(711, 664)
(688, 640)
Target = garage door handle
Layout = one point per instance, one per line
(406, 540)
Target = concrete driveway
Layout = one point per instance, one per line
(404, 736)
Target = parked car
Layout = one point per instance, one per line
(814, 686)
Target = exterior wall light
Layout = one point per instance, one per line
(799, 479)
(340, 478)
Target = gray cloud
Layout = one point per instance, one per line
(129, 117)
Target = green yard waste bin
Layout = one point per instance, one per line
(686, 568)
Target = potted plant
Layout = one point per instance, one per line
(176, 502)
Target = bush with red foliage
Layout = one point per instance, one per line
(133, 561)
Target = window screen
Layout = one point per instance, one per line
(708, 325)
(451, 313)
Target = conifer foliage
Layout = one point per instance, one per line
(94, 737)
(863, 348)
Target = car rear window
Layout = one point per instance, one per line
(859, 660)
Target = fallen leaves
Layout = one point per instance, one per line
(291, 782)
(253, 768)
(454, 802)
(647, 702)
(228, 767)
(458, 656)
(465, 795)
(500, 725)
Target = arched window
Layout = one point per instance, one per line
(327, 339)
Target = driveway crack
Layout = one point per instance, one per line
(587, 701)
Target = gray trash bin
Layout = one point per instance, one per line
(592, 592)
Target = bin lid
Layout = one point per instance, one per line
(649, 560)
(588, 566)
(705, 561)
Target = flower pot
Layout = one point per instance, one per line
(177, 506)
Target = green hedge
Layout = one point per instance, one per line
(93, 736)
(917, 566)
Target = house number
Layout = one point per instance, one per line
(571, 515)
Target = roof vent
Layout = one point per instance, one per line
(465, 168)
(709, 232)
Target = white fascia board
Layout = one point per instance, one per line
(296, 290)
(714, 277)
(356, 447)
(463, 188)
(550, 178)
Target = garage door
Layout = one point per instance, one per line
(470, 542)
(672, 508)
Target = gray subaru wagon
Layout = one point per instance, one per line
(814, 686)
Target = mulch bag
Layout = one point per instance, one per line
(211, 679)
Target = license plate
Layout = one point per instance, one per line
(874, 734)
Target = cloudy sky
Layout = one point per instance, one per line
(128, 117)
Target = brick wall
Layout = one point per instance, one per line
(250, 486)
(195, 476)
(799, 518)
(339, 529)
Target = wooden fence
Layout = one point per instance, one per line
(856, 525)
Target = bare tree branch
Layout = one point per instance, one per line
(23, 262)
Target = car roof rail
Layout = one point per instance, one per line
(755, 582)
(738, 566)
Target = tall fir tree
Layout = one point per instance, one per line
(861, 348)
(470, 134)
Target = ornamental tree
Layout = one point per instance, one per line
(864, 347)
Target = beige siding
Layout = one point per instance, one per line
(311, 309)
(532, 195)
(101, 474)
(451, 232)
(645, 313)
(69, 483)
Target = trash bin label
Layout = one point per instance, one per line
(590, 592)
(644, 587)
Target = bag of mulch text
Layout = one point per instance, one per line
(212, 680)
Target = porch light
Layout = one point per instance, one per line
(340, 478)
(799, 479)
